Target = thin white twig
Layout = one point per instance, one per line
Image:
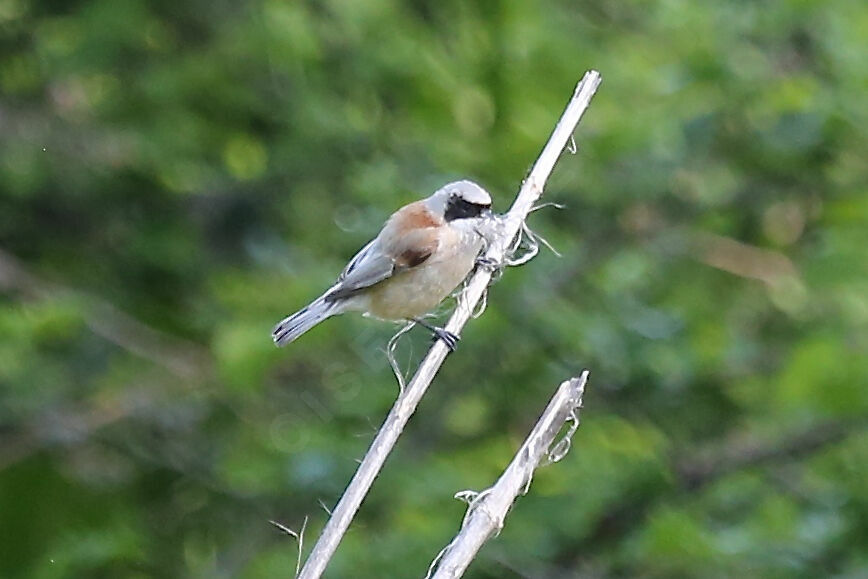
(390, 354)
(560, 449)
(433, 566)
(405, 406)
(299, 536)
(487, 510)
(480, 305)
(547, 204)
(527, 240)
(324, 507)
(537, 238)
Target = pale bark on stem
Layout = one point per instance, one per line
(487, 510)
(405, 405)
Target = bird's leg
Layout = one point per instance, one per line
(450, 339)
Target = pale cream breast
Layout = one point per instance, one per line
(417, 291)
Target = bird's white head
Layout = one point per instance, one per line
(460, 200)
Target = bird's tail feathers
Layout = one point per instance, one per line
(291, 327)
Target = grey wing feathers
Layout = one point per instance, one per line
(369, 266)
(380, 260)
(357, 258)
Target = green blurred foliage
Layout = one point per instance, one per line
(176, 176)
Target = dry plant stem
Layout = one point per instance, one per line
(299, 536)
(488, 509)
(404, 407)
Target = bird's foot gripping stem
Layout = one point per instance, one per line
(450, 339)
(491, 265)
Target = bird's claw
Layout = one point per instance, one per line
(486, 263)
(450, 339)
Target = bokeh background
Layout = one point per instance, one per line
(175, 176)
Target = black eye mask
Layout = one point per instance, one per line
(460, 208)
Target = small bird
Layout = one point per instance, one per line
(423, 252)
